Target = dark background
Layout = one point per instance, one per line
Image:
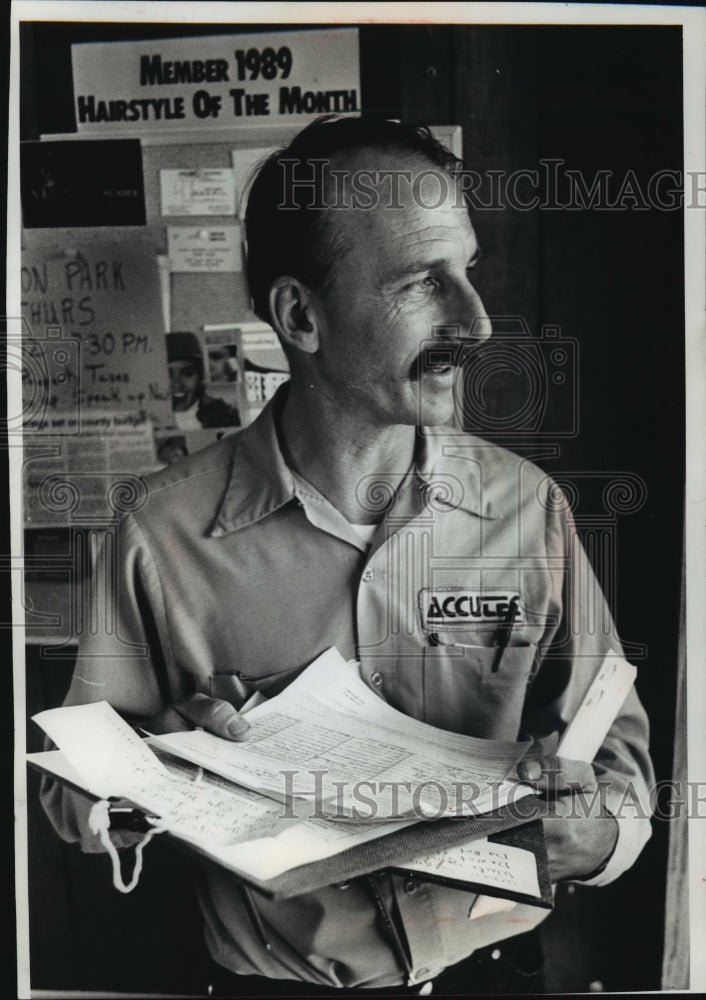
(597, 98)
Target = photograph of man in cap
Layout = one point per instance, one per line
(193, 407)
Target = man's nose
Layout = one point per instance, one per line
(475, 320)
(468, 320)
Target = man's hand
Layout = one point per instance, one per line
(212, 714)
(579, 834)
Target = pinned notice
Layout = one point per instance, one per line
(197, 192)
(214, 250)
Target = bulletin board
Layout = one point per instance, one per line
(133, 248)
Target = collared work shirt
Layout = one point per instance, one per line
(235, 574)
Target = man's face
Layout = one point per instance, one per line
(185, 383)
(222, 366)
(406, 276)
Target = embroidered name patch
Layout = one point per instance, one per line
(453, 607)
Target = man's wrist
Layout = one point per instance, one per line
(599, 869)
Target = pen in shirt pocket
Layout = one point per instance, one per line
(504, 633)
(502, 636)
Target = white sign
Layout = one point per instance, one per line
(200, 191)
(215, 249)
(287, 77)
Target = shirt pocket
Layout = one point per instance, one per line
(236, 686)
(270, 684)
(475, 691)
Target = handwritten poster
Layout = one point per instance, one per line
(95, 330)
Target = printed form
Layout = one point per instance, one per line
(327, 736)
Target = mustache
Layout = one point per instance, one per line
(442, 353)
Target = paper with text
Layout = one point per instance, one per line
(102, 754)
(201, 191)
(589, 727)
(106, 757)
(105, 751)
(328, 736)
(499, 866)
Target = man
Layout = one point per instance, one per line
(346, 515)
(223, 363)
(193, 407)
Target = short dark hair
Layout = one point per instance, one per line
(299, 240)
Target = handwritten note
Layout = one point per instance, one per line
(588, 728)
(494, 865)
(102, 747)
(105, 756)
(102, 754)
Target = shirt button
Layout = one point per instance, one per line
(410, 887)
(495, 954)
(376, 679)
(426, 990)
(368, 574)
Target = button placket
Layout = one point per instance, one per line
(419, 919)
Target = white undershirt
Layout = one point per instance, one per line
(366, 531)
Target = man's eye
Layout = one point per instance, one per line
(422, 284)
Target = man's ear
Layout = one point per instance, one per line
(293, 315)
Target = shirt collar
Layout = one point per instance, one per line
(450, 465)
(261, 481)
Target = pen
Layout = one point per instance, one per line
(504, 633)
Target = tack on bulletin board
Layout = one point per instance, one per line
(206, 191)
(215, 249)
